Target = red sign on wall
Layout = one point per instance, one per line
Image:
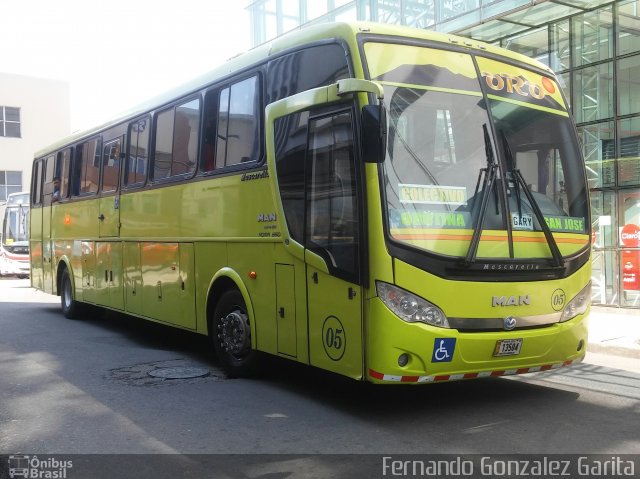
(631, 270)
(630, 235)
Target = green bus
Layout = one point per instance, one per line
(387, 203)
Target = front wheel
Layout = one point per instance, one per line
(231, 335)
(70, 307)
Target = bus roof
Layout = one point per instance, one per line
(305, 35)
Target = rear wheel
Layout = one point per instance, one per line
(70, 307)
(231, 335)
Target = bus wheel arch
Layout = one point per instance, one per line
(63, 265)
(231, 325)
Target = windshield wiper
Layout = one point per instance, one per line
(515, 173)
(413, 154)
(489, 180)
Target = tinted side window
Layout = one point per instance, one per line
(223, 125)
(291, 147)
(209, 139)
(237, 124)
(306, 69)
(332, 200)
(176, 140)
(315, 165)
(49, 171)
(185, 138)
(163, 151)
(138, 155)
(111, 165)
(86, 168)
(63, 171)
(36, 189)
(48, 187)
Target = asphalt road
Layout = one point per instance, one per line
(82, 387)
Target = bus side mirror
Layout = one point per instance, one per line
(374, 133)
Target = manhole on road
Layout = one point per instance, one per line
(157, 373)
(179, 372)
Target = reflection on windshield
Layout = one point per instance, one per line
(435, 145)
(545, 152)
(437, 166)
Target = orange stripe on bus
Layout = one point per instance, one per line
(516, 239)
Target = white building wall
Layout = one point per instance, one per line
(45, 117)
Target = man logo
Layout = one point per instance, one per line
(510, 323)
(521, 300)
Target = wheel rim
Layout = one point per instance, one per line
(66, 294)
(234, 334)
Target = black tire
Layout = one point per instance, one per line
(70, 307)
(230, 332)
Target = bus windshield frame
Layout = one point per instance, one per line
(483, 164)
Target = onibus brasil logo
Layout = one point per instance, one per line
(33, 467)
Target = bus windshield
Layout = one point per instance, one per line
(16, 225)
(457, 140)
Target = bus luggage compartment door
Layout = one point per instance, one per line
(108, 274)
(168, 283)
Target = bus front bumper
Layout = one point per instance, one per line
(415, 353)
(14, 268)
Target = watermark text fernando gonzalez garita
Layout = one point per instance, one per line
(512, 466)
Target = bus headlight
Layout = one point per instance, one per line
(578, 304)
(409, 307)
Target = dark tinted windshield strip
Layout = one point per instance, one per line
(368, 37)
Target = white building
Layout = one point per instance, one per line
(34, 112)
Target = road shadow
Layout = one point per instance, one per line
(141, 332)
(367, 399)
(294, 405)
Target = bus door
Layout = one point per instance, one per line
(109, 215)
(35, 226)
(332, 240)
(310, 144)
(109, 269)
(47, 245)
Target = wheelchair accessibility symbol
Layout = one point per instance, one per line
(443, 349)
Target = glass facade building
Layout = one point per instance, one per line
(594, 47)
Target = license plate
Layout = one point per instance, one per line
(507, 347)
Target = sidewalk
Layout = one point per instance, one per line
(614, 331)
